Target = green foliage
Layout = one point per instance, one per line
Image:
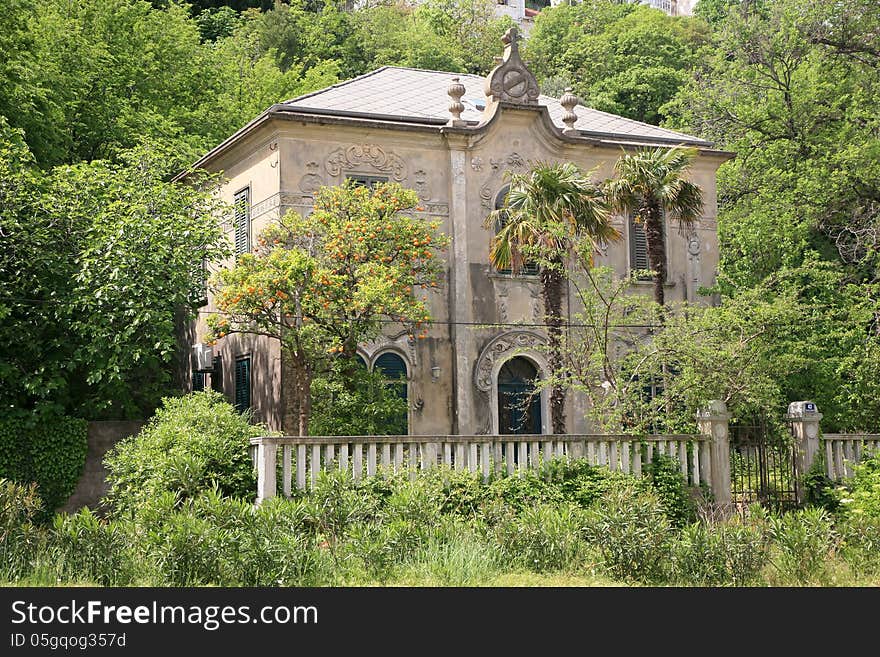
(820, 491)
(585, 484)
(619, 57)
(20, 537)
(103, 268)
(47, 450)
(860, 543)
(664, 475)
(630, 530)
(544, 538)
(90, 549)
(860, 495)
(352, 401)
(802, 543)
(192, 444)
(727, 553)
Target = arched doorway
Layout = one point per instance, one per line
(519, 404)
(393, 368)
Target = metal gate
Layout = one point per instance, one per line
(763, 468)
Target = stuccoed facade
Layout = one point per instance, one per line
(452, 141)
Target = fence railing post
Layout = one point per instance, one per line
(803, 418)
(713, 423)
(266, 450)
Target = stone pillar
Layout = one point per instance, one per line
(266, 452)
(713, 422)
(803, 418)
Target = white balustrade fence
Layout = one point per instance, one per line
(843, 450)
(302, 458)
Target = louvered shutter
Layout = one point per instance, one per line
(638, 245)
(242, 221)
(242, 384)
(217, 374)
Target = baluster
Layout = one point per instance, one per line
(357, 461)
(459, 456)
(316, 464)
(398, 457)
(485, 449)
(591, 453)
(472, 457)
(386, 456)
(637, 459)
(371, 460)
(343, 457)
(522, 455)
(829, 461)
(683, 458)
(329, 455)
(301, 467)
(625, 456)
(286, 458)
(508, 457)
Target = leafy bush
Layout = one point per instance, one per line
(337, 502)
(356, 402)
(455, 555)
(47, 449)
(725, 553)
(802, 541)
(671, 487)
(523, 490)
(19, 537)
(585, 484)
(860, 543)
(819, 489)
(89, 549)
(861, 494)
(192, 444)
(544, 538)
(630, 529)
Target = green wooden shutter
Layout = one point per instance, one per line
(198, 379)
(242, 384)
(242, 221)
(217, 374)
(638, 245)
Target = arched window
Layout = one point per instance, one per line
(519, 403)
(529, 268)
(393, 368)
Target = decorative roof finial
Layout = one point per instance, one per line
(456, 107)
(569, 101)
(511, 81)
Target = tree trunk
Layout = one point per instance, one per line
(296, 382)
(552, 281)
(656, 243)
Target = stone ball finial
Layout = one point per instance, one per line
(456, 107)
(569, 101)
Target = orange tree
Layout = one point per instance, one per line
(324, 282)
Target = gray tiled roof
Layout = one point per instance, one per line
(419, 94)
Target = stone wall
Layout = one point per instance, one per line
(92, 484)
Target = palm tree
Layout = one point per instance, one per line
(652, 183)
(546, 211)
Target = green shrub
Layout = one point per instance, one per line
(46, 449)
(665, 477)
(337, 502)
(544, 538)
(860, 496)
(192, 444)
(91, 550)
(725, 553)
(802, 541)
(630, 529)
(20, 539)
(860, 543)
(819, 489)
(523, 490)
(455, 555)
(585, 484)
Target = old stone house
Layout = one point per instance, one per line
(451, 138)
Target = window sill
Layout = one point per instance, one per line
(650, 283)
(536, 277)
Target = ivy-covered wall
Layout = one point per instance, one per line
(47, 450)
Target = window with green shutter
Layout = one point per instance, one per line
(198, 379)
(217, 374)
(242, 221)
(393, 369)
(638, 244)
(242, 384)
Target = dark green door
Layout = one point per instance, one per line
(519, 405)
